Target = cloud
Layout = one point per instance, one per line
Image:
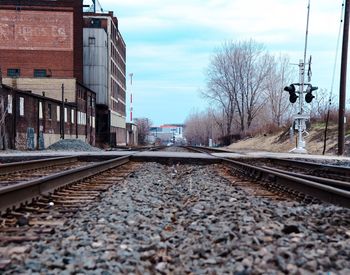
(169, 43)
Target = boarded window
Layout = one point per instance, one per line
(93, 122)
(9, 104)
(58, 113)
(72, 116)
(21, 106)
(65, 115)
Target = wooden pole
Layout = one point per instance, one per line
(342, 92)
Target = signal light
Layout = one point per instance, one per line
(309, 96)
(292, 95)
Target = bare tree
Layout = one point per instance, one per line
(279, 77)
(221, 88)
(143, 127)
(253, 65)
(200, 127)
(237, 80)
(319, 106)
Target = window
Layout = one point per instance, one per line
(21, 106)
(58, 113)
(49, 111)
(65, 114)
(92, 41)
(81, 118)
(9, 104)
(72, 116)
(40, 73)
(40, 110)
(13, 72)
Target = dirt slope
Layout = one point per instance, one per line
(281, 142)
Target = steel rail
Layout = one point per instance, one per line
(19, 166)
(316, 166)
(331, 182)
(25, 192)
(197, 149)
(320, 191)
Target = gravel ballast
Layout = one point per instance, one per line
(185, 219)
(72, 145)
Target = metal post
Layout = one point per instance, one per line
(131, 75)
(301, 121)
(301, 118)
(342, 92)
(62, 114)
(301, 143)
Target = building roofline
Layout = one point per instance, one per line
(105, 15)
(30, 93)
(84, 86)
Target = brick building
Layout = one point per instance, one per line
(41, 50)
(31, 121)
(41, 39)
(105, 73)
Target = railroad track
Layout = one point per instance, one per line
(330, 190)
(15, 172)
(25, 192)
(326, 189)
(311, 168)
(27, 181)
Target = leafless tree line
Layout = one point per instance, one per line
(245, 91)
(143, 128)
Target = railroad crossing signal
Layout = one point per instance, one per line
(292, 93)
(300, 119)
(309, 96)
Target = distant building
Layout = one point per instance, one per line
(105, 73)
(41, 50)
(132, 134)
(168, 133)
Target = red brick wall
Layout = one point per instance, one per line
(59, 64)
(62, 60)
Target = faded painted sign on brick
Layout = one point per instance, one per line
(36, 30)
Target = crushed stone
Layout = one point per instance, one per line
(72, 145)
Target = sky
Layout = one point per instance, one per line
(170, 44)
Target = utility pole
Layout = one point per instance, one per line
(62, 114)
(342, 92)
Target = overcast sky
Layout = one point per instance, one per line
(170, 42)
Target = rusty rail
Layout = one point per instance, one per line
(19, 194)
(20, 166)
